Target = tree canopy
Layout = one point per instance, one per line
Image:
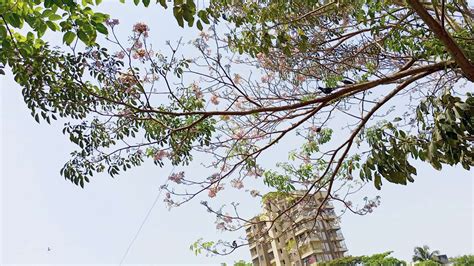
(376, 259)
(363, 88)
(424, 254)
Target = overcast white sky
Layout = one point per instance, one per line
(39, 209)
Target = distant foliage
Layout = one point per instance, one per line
(373, 260)
(463, 260)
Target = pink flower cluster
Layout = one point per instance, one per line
(226, 218)
(213, 191)
(140, 54)
(236, 183)
(237, 79)
(263, 60)
(160, 154)
(254, 193)
(197, 90)
(128, 79)
(215, 99)
(141, 28)
(120, 55)
(177, 177)
(112, 22)
(220, 226)
(204, 36)
(239, 134)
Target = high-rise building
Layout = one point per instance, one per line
(298, 237)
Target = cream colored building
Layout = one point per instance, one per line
(297, 237)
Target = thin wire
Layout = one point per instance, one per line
(144, 221)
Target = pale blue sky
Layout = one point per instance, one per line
(39, 209)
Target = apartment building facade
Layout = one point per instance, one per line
(298, 237)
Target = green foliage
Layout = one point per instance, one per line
(446, 127)
(279, 182)
(462, 260)
(374, 260)
(199, 246)
(428, 263)
(423, 254)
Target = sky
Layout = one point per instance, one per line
(39, 209)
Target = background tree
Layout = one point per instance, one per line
(376, 259)
(423, 253)
(463, 260)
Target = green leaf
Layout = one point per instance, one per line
(101, 28)
(53, 26)
(378, 181)
(163, 3)
(199, 25)
(41, 29)
(69, 37)
(136, 2)
(178, 14)
(146, 3)
(83, 36)
(3, 32)
(54, 17)
(13, 19)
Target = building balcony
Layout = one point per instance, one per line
(336, 238)
(341, 249)
(252, 244)
(333, 225)
(329, 205)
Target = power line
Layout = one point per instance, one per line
(144, 221)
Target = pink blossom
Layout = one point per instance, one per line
(159, 155)
(238, 184)
(261, 56)
(127, 79)
(141, 28)
(112, 22)
(95, 55)
(176, 177)
(120, 55)
(237, 79)
(227, 219)
(254, 193)
(239, 134)
(204, 36)
(139, 54)
(197, 91)
(137, 45)
(213, 191)
(220, 226)
(215, 99)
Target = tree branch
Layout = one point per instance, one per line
(456, 52)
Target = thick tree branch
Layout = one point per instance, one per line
(456, 52)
